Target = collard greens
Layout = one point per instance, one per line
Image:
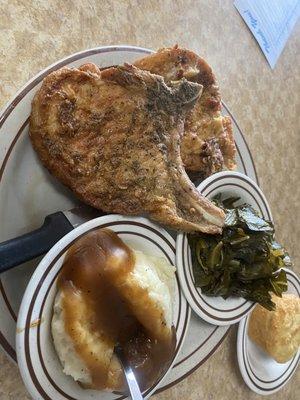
(245, 260)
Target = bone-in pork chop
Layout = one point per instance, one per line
(208, 144)
(113, 137)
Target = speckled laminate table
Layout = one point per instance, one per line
(266, 104)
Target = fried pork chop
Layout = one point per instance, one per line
(113, 137)
(207, 145)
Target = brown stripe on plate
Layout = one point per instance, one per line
(292, 283)
(247, 364)
(241, 187)
(244, 180)
(199, 347)
(12, 145)
(7, 347)
(245, 143)
(196, 366)
(7, 303)
(2, 290)
(242, 161)
(5, 114)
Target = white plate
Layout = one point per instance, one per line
(216, 310)
(260, 372)
(39, 365)
(28, 193)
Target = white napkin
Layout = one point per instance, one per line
(271, 22)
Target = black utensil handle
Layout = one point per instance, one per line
(26, 247)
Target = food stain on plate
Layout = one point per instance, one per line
(33, 324)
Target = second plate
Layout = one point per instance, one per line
(216, 310)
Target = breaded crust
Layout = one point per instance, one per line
(113, 137)
(207, 145)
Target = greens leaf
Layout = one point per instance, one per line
(244, 261)
(249, 216)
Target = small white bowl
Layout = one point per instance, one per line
(261, 373)
(37, 359)
(216, 310)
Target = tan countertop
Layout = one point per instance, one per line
(265, 103)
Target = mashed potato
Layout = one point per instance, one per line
(71, 362)
(154, 312)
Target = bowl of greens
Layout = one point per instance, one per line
(223, 276)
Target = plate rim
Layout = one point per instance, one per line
(243, 336)
(6, 110)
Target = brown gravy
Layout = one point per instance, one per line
(92, 266)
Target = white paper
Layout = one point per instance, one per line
(271, 22)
